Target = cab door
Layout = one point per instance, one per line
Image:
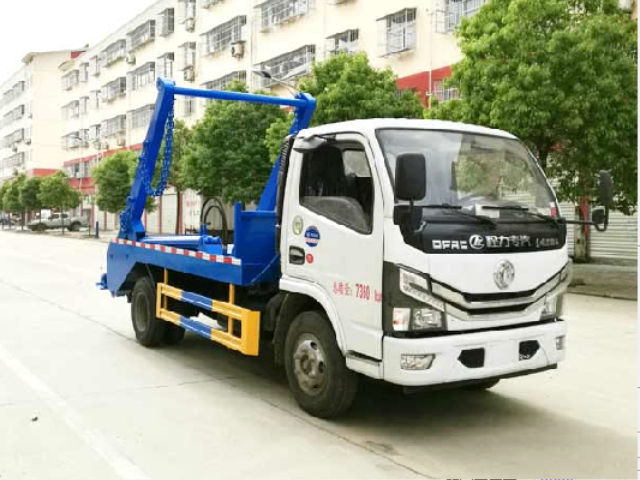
(333, 242)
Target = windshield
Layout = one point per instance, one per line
(472, 171)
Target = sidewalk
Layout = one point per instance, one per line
(612, 281)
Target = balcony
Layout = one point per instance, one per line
(114, 52)
(114, 89)
(71, 79)
(343, 42)
(142, 35)
(289, 65)
(222, 36)
(273, 13)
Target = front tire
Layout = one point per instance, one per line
(149, 329)
(316, 369)
(74, 227)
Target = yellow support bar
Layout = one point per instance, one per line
(247, 343)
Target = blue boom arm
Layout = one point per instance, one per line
(131, 227)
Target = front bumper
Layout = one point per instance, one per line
(501, 354)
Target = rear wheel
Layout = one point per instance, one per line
(316, 369)
(74, 227)
(149, 329)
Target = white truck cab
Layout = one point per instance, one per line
(434, 248)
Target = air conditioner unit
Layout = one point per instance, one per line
(237, 49)
(190, 24)
(121, 142)
(27, 141)
(207, 3)
(131, 59)
(189, 75)
(14, 147)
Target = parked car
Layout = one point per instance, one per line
(6, 222)
(55, 221)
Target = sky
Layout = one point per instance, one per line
(45, 25)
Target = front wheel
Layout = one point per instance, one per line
(74, 227)
(149, 329)
(316, 369)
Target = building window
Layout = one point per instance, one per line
(141, 76)
(11, 163)
(222, 82)
(222, 36)
(443, 94)
(94, 99)
(72, 140)
(114, 126)
(166, 22)
(274, 12)
(188, 55)
(84, 72)
(188, 107)
(114, 89)
(210, 3)
(94, 66)
(84, 105)
(71, 110)
(13, 138)
(70, 80)
(164, 65)
(346, 42)
(449, 17)
(141, 117)
(114, 52)
(142, 35)
(288, 66)
(189, 14)
(13, 115)
(13, 93)
(398, 31)
(94, 133)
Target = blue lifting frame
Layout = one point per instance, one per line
(254, 257)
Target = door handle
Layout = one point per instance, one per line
(296, 256)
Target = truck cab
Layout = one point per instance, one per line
(458, 281)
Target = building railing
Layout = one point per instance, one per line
(397, 32)
(289, 65)
(222, 36)
(276, 12)
(452, 12)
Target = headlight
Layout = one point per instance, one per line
(415, 319)
(426, 318)
(415, 286)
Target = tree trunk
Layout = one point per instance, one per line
(178, 210)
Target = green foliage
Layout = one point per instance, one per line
(347, 87)
(11, 197)
(227, 155)
(114, 177)
(275, 135)
(181, 139)
(55, 192)
(30, 194)
(560, 75)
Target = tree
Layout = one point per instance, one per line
(347, 87)
(227, 156)
(30, 194)
(114, 177)
(562, 76)
(11, 197)
(55, 192)
(181, 140)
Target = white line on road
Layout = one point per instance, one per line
(121, 465)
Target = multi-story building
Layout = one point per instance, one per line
(29, 116)
(109, 90)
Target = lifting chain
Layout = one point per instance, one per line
(166, 163)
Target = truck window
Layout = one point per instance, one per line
(335, 182)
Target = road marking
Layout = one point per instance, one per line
(121, 465)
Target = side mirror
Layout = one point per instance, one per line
(411, 176)
(606, 189)
(599, 218)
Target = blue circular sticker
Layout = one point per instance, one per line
(312, 236)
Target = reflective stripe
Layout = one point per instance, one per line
(179, 251)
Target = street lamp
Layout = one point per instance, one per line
(265, 74)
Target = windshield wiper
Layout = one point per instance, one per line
(458, 209)
(523, 210)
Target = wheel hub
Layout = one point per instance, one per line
(309, 364)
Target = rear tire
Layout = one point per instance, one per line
(149, 329)
(74, 227)
(316, 369)
(173, 334)
(486, 385)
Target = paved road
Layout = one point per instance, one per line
(80, 399)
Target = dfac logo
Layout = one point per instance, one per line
(503, 276)
(476, 242)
